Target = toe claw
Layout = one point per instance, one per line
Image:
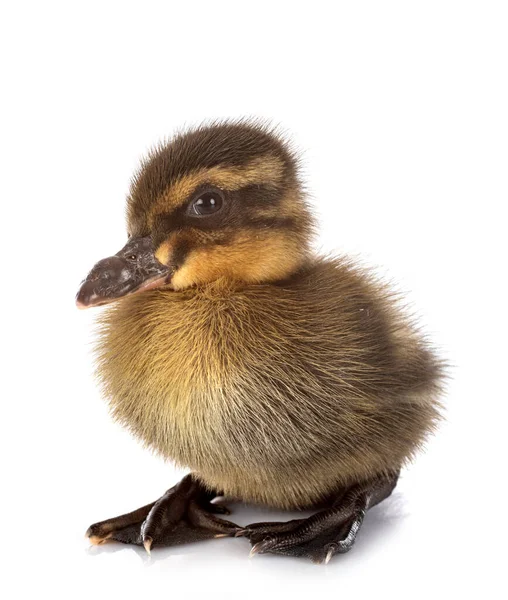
(262, 547)
(96, 540)
(241, 532)
(147, 544)
(332, 549)
(234, 532)
(95, 537)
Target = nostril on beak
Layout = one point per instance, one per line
(133, 269)
(110, 268)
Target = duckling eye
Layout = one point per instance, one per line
(207, 204)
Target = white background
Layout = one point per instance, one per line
(400, 109)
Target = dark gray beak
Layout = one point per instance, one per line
(133, 269)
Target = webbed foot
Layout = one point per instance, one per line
(326, 533)
(183, 514)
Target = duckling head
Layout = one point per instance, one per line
(219, 201)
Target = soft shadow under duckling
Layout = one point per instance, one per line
(277, 377)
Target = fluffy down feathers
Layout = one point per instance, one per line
(273, 393)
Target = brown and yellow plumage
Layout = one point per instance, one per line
(277, 377)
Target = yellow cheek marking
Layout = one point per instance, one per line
(250, 259)
(267, 170)
(164, 251)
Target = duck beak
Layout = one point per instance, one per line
(133, 269)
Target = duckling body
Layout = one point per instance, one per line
(276, 376)
(251, 386)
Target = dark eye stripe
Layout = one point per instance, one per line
(240, 213)
(257, 196)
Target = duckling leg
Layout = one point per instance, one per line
(328, 532)
(183, 514)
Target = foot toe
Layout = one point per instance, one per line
(97, 534)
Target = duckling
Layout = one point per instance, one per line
(276, 376)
